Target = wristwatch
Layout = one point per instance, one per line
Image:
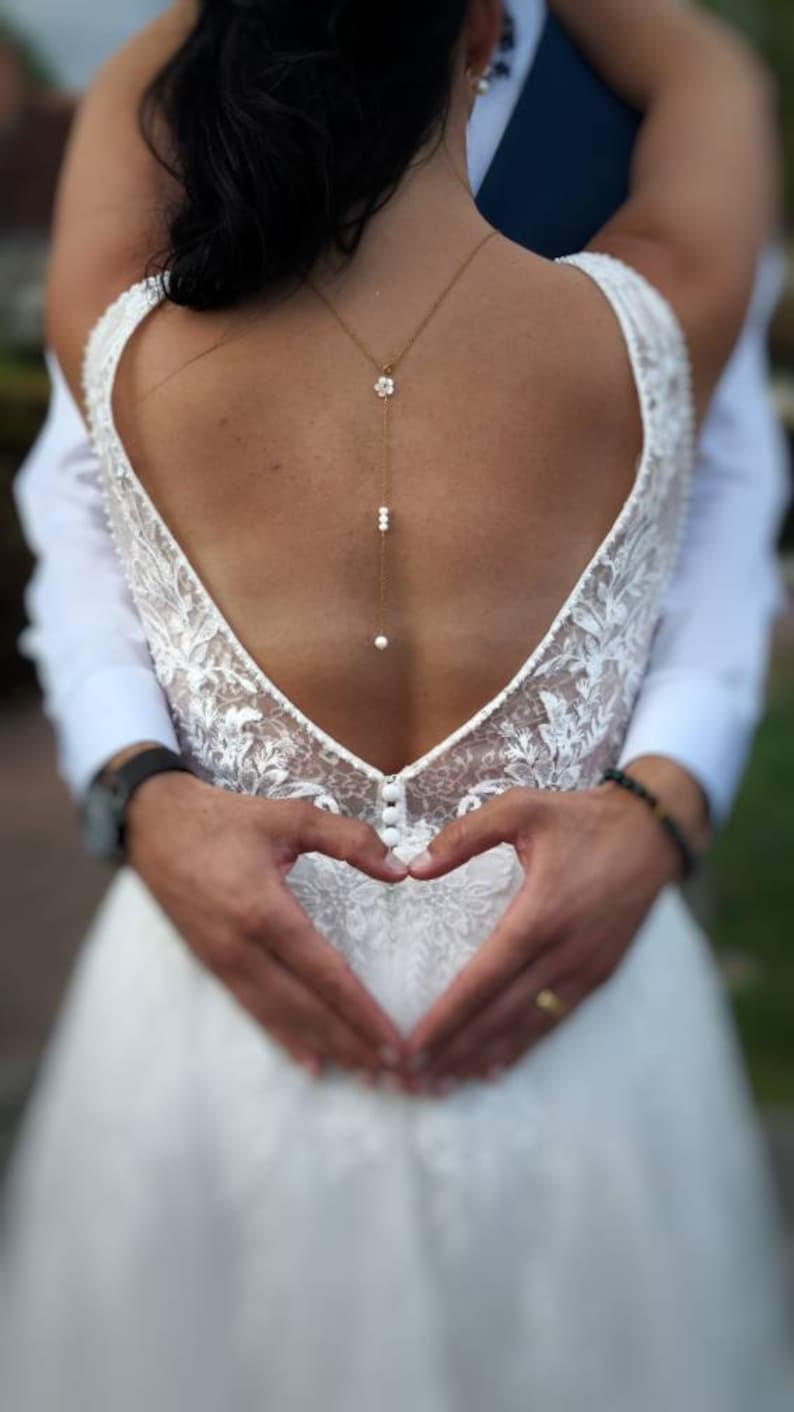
(104, 808)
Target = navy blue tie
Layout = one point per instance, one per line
(562, 167)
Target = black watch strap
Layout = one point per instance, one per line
(128, 778)
(106, 802)
(121, 783)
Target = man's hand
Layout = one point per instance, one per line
(216, 862)
(595, 861)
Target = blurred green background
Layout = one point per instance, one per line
(750, 897)
(747, 895)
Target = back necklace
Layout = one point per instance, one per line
(386, 390)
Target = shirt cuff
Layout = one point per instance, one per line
(700, 725)
(112, 711)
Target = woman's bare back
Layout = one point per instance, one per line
(516, 434)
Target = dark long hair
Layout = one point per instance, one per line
(287, 124)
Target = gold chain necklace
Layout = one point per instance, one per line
(386, 390)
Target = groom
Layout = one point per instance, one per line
(550, 152)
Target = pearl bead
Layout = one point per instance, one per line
(381, 642)
(391, 814)
(391, 793)
(391, 837)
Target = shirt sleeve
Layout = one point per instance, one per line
(703, 694)
(84, 633)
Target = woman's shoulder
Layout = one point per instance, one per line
(581, 313)
(114, 194)
(549, 336)
(616, 313)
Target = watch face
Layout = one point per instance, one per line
(102, 822)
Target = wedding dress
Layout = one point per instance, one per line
(194, 1224)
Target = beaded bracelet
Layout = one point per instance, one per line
(671, 826)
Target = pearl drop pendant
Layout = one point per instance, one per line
(381, 642)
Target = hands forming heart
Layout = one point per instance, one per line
(592, 869)
(594, 862)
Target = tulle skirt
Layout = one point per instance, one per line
(194, 1224)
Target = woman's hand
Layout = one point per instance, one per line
(595, 861)
(216, 862)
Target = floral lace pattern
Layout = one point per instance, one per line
(557, 725)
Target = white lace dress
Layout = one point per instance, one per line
(195, 1225)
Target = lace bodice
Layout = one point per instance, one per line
(557, 725)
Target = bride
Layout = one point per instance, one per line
(398, 502)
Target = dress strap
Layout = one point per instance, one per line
(106, 343)
(658, 351)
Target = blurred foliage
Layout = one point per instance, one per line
(782, 342)
(751, 877)
(24, 393)
(37, 67)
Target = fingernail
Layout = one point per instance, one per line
(422, 861)
(389, 1056)
(396, 865)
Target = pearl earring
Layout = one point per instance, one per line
(481, 83)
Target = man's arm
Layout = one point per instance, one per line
(703, 694)
(85, 635)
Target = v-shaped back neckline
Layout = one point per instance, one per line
(142, 299)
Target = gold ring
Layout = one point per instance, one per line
(549, 1002)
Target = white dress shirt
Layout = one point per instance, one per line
(704, 690)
